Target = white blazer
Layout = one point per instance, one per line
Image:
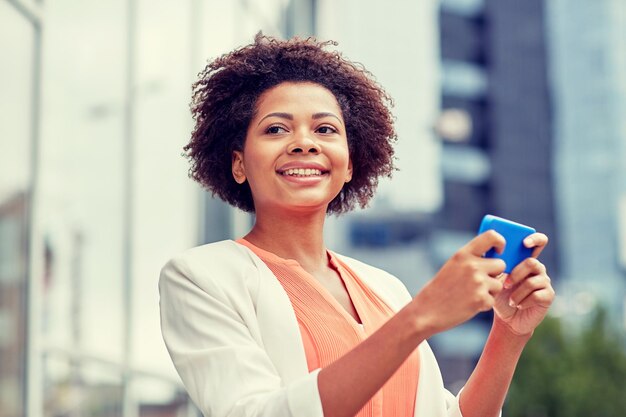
(232, 334)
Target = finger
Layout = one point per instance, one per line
(486, 301)
(494, 286)
(493, 267)
(529, 287)
(485, 241)
(542, 298)
(528, 267)
(538, 241)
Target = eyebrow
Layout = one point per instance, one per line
(326, 114)
(289, 116)
(277, 114)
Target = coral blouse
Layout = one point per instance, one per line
(328, 331)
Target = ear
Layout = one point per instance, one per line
(349, 173)
(239, 172)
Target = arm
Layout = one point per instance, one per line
(464, 286)
(518, 310)
(486, 389)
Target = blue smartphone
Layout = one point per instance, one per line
(514, 234)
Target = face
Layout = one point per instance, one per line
(295, 156)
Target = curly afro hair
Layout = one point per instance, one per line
(224, 100)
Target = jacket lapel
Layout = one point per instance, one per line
(278, 324)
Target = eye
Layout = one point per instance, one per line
(275, 129)
(326, 130)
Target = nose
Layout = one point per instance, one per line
(303, 144)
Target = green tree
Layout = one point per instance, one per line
(566, 376)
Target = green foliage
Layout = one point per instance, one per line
(561, 376)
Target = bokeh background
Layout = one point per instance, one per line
(515, 108)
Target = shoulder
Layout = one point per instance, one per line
(220, 264)
(386, 285)
(212, 256)
(224, 251)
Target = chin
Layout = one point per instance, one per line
(311, 207)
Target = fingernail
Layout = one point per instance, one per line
(508, 283)
(528, 241)
(512, 303)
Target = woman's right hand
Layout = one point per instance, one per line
(464, 286)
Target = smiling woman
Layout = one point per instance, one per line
(296, 151)
(276, 324)
(229, 93)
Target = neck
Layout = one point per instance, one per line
(299, 237)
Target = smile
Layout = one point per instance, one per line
(301, 172)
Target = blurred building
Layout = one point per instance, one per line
(588, 73)
(13, 289)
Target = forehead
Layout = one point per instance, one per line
(297, 95)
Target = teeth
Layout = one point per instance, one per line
(302, 172)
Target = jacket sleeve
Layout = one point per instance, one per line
(452, 402)
(224, 368)
(452, 405)
(454, 410)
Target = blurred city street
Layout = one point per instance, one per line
(505, 107)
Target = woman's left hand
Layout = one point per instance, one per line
(527, 293)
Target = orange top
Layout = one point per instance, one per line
(329, 331)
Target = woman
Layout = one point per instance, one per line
(275, 324)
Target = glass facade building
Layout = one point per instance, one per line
(588, 72)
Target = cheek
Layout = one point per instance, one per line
(343, 155)
(259, 167)
(258, 163)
